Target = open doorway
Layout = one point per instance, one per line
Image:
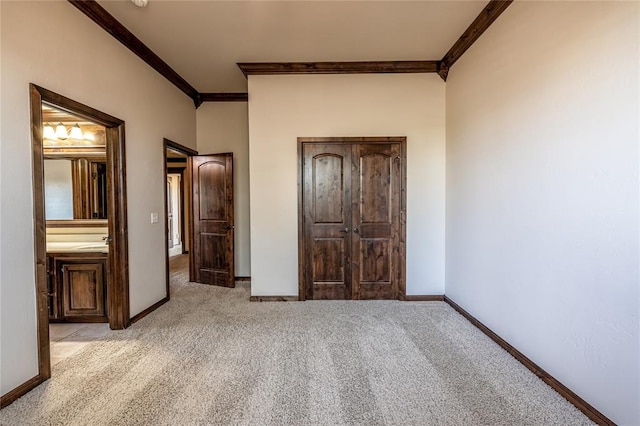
(202, 251)
(177, 214)
(80, 223)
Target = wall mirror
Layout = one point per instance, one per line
(75, 169)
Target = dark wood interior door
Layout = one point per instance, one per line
(376, 220)
(213, 228)
(352, 210)
(327, 194)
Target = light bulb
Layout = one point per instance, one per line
(61, 132)
(48, 132)
(76, 132)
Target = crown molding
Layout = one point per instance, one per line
(224, 97)
(110, 24)
(367, 67)
(479, 25)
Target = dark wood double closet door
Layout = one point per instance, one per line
(352, 239)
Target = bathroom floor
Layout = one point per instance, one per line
(67, 339)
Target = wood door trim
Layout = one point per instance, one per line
(564, 391)
(362, 67)
(167, 143)
(487, 16)
(110, 24)
(402, 140)
(118, 260)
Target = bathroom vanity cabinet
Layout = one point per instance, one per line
(77, 287)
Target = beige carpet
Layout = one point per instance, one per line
(211, 357)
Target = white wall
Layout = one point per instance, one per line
(542, 192)
(223, 127)
(58, 189)
(110, 79)
(283, 108)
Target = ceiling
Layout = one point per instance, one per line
(203, 40)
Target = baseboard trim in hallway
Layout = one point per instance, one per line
(150, 309)
(21, 390)
(273, 298)
(424, 298)
(566, 393)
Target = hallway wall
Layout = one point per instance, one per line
(223, 127)
(95, 69)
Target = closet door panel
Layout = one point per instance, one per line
(326, 195)
(375, 219)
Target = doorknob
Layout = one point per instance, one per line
(231, 227)
(345, 230)
(355, 229)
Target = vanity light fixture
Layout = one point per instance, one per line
(88, 136)
(76, 132)
(61, 132)
(48, 132)
(140, 3)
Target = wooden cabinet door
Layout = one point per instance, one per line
(327, 194)
(375, 210)
(213, 233)
(83, 289)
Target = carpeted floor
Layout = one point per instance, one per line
(209, 356)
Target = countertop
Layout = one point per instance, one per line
(77, 247)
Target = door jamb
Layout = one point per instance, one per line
(169, 144)
(402, 140)
(118, 258)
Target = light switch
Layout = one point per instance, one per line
(154, 217)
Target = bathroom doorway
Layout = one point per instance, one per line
(86, 225)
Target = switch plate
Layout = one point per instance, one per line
(154, 217)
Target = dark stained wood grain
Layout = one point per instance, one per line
(118, 270)
(351, 218)
(224, 97)
(567, 393)
(376, 210)
(370, 67)
(39, 223)
(19, 391)
(107, 22)
(213, 228)
(327, 189)
(424, 298)
(83, 289)
(78, 286)
(479, 25)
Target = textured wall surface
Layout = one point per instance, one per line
(542, 192)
